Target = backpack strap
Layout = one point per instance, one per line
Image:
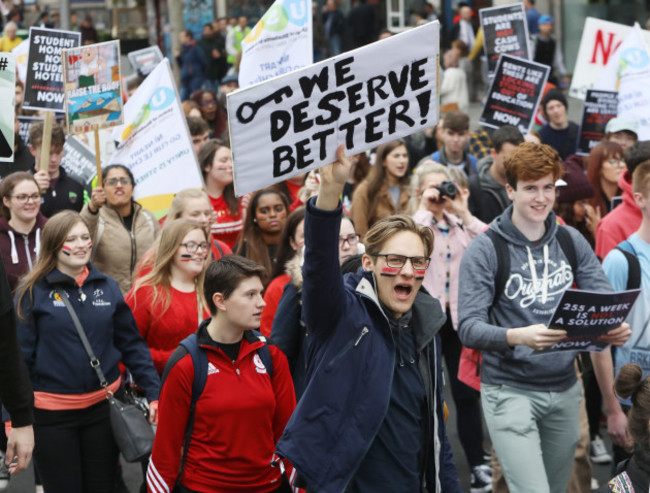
(200, 363)
(503, 262)
(633, 264)
(566, 243)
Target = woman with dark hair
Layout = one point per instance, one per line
(215, 160)
(168, 303)
(386, 189)
(20, 225)
(265, 219)
(75, 449)
(122, 229)
(211, 112)
(293, 238)
(635, 471)
(604, 167)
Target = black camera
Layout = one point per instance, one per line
(447, 188)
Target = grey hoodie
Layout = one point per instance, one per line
(530, 297)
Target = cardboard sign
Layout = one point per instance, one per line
(7, 115)
(628, 72)
(280, 42)
(586, 315)
(44, 81)
(515, 93)
(600, 40)
(599, 108)
(505, 32)
(155, 143)
(294, 123)
(93, 87)
(24, 123)
(79, 161)
(145, 60)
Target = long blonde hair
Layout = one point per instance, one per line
(171, 238)
(53, 238)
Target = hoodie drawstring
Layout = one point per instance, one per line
(37, 247)
(14, 252)
(533, 273)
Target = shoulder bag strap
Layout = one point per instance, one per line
(94, 362)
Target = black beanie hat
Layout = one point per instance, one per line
(554, 94)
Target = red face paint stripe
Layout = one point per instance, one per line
(89, 245)
(389, 271)
(419, 272)
(66, 250)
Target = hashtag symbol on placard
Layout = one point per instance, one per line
(3, 63)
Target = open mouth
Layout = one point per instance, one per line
(403, 291)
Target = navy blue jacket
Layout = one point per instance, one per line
(192, 61)
(351, 357)
(55, 357)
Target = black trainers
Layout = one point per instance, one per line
(481, 479)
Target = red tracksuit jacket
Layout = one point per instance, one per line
(238, 419)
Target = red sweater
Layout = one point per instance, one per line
(163, 331)
(272, 297)
(619, 224)
(239, 417)
(227, 227)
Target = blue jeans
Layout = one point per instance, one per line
(535, 435)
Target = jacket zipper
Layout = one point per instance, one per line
(352, 343)
(29, 257)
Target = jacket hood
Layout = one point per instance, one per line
(487, 180)
(40, 222)
(428, 317)
(625, 184)
(293, 269)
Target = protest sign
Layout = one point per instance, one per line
(294, 123)
(628, 72)
(600, 40)
(505, 32)
(599, 107)
(515, 93)
(280, 42)
(79, 161)
(145, 60)
(21, 53)
(24, 123)
(7, 96)
(155, 143)
(586, 315)
(44, 82)
(93, 87)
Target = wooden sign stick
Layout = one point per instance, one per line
(46, 141)
(98, 159)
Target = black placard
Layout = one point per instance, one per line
(44, 81)
(505, 32)
(515, 93)
(599, 108)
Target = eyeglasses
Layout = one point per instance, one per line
(617, 162)
(193, 247)
(111, 182)
(397, 261)
(209, 103)
(351, 239)
(23, 197)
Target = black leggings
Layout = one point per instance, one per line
(75, 451)
(467, 400)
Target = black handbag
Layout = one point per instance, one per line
(131, 430)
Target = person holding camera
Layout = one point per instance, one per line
(442, 206)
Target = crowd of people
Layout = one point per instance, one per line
(299, 338)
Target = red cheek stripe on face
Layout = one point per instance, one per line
(89, 245)
(419, 274)
(389, 271)
(66, 250)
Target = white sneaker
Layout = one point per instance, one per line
(594, 484)
(4, 474)
(599, 454)
(481, 479)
